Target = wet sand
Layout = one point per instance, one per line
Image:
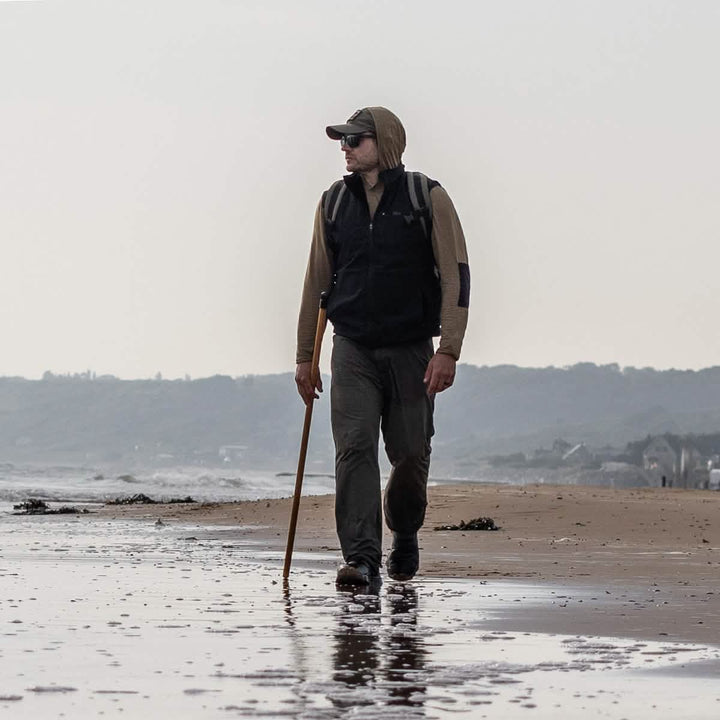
(590, 601)
(656, 552)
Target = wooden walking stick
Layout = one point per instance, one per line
(314, 372)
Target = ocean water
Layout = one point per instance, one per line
(73, 484)
(86, 484)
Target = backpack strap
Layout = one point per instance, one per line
(418, 188)
(332, 199)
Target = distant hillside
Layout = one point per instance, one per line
(490, 410)
(508, 409)
(107, 420)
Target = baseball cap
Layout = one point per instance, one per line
(361, 121)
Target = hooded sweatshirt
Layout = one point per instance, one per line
(448, 245)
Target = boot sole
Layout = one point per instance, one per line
(401, 577)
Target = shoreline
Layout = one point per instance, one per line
(641, 563)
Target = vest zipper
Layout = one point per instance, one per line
(369, 280)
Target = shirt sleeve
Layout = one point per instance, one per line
(451, 258)
(318, 277)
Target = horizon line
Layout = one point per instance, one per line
(186, 377)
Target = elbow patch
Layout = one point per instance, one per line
(464, 297)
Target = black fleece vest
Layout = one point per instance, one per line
(386, 288)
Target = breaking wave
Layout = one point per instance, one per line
(85, 484)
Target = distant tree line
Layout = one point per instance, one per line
(491, 411)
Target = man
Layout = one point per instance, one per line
(396, 268)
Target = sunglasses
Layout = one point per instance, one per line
(352, 141)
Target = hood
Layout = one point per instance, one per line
(390, 135)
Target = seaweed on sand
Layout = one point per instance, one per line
(481, 523)
(35, 506)
(142, 499)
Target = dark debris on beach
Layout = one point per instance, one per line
(142, 499)
(481, 523)
(35, 506)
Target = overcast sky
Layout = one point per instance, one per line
(160, 164)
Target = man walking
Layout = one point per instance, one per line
(388, 246)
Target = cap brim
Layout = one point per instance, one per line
(335, 132)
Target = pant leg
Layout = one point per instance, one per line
(407, 427)
(356, 405)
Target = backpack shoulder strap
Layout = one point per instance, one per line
(419, 190)
(331, 200)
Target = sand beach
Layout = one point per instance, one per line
(587, 600)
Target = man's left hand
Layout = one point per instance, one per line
(440, 373)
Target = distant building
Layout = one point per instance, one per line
(578, 455)
(660, 458)
(714, 480)
(561, 447)
(693, 471)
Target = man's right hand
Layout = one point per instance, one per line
(303, 380)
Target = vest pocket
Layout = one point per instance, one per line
(399, 302)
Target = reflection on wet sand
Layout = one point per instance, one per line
(83, 602)
(378, 657)
(356, 657)
(383, 652)
(405, 648)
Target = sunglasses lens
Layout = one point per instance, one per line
(352, 141)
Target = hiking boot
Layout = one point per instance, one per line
(404, 558)
(355, 572)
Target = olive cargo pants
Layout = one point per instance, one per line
(375, 388)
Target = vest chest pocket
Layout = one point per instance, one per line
(400, 237)
(409, 218)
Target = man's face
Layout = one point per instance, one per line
(363, 158)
